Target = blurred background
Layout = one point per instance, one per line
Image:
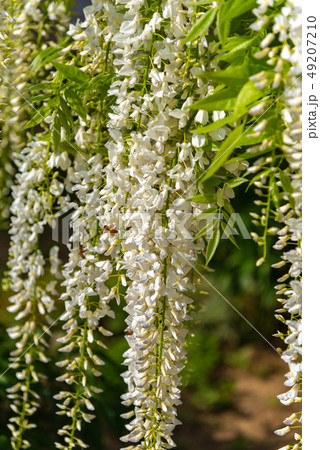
(232, 378)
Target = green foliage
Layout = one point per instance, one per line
(230, 143)
(218, 123)
(201, 26)
(234, 47)
(234, 75)
(213, 243)
(229, 10)
(75, 103)
(56, 133)
(221, 99)
(72, 73)
(39, 117)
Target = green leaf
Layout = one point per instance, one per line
(235, 8)
(205, 229)
(64, 122)
(285, 181)
(230, 10)
(248, 94)
(248, 155)
(237, 182)
(218, 123)
(286, 184)
(38, 117)
(228, 207)
(227, 231)
(223, 25)
(100, 83)
(230, 143)
(56, 133)
(235, 74)
(200, 26)
(102, 151)
(221, 100)
(35, 99)
(275, 192)
(211, 184)
(209, 212)
(246, 138)
(212, 244)
(201, 3)
(72, 73)
(66, 111)
(43, 57)
(71, 148)
(44, 87)
(237, 45)
(75, 103)
(54, 102)
(204, 198)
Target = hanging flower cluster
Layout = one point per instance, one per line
(140, 116)
(290, 214)
(33, 27)
(36, 196)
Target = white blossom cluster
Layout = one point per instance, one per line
(291, 215)
(33, 26)
(144, 223)
(86, 299)
(149, 131)
(94, 244)
(133, 226)
(36, 194)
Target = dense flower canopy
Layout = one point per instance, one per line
(145, 117)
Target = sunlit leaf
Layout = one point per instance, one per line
(72, 73)
(200, 26)
(285, 181)
(248, 94)
(38, 117)
(221, 100)
(230, 10)
(236, 182)
(212, 244)
(205, 229)
(56, 133)
(209, 212)
(204, 198)
(75, 103)
(230, 143)
(219, 123)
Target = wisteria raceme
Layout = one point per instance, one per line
(290, 214)
(94, 250)
(35, 26)
(157, 245)
(87, 300)
(36, 194)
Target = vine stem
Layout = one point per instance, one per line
(25, 394)
(23, 411)
(76, 406)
